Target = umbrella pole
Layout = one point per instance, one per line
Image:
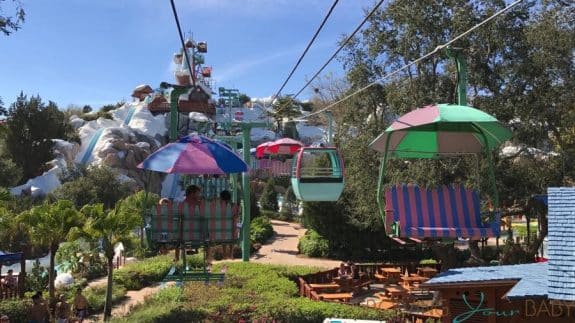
(382, 169)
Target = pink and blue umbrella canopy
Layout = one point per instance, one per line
(440, 129)
(195, 155)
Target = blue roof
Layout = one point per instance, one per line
(561, 216)
(532, 278)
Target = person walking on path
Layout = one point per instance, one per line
(80, 305)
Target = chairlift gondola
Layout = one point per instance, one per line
(318, 174)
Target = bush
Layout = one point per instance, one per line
(428, 262)
(96, 296)
(144, 273)
(38, 278)
(312, 244)
(16, 309)
(269, 199)
(261, 230)
(164, 307)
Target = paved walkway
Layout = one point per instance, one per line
(282, 248)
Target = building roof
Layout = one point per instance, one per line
(532, 278)
(561, 281)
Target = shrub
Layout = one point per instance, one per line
(38, 278)
(164, 307)
(16, 309)
(96, 296)
(269, 199)
(261, 230)
(143, 273)
(428, 262)
(312, 244)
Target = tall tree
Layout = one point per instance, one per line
(11, 23)
(31, 127)
(3, 110)
(97, 184)
(109, 227)
(49, 225)
(284, 107)
(520, 70)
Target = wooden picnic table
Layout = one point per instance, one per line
(341, 297)
(427, 272)
(391, 274)
(413, 279)
(395, 292)
(324, 286)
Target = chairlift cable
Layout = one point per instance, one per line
(340, 48)
(175, 12)
(438, 48)
(306, 49)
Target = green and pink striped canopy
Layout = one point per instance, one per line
(441, 129)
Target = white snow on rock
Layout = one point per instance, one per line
(76, 122)
(199, 117)
(43, 184)
(144, 122)
(260, 134)
(310, 133)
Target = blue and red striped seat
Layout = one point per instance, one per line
(213, 221)
(443, 212)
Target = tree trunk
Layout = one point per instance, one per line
(51, 276)
(108, 303)
(475, 253)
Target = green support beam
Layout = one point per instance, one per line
(461, 66)
(246, 190)
(177, 90)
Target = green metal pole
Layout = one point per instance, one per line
(461, 66)
(246, 129)
(174, 114)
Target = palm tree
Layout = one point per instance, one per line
(110, 228)
(49, 225)
(139, 203)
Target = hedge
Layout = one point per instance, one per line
(250, 292)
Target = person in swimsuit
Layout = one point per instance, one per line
(80, 305)
(38, 313)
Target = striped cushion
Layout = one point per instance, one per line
(443, 212)
(213, 221)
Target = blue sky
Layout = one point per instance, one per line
(95, 52)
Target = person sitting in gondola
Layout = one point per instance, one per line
(193, 194)
(226, 196)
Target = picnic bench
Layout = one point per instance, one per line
(395, 292)
(336, 297)
(389, 275)
(320, 287)
(441, 212)
(413, 279)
